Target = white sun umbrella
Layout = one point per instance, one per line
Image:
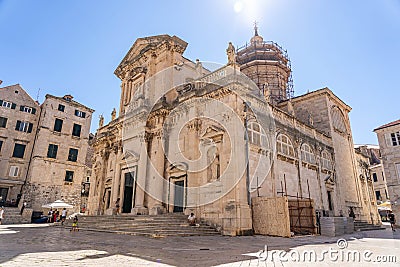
(58, 204)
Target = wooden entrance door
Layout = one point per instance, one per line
(128, 192)
(179, 196)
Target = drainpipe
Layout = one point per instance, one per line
(31, 156)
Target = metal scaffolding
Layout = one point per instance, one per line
(269, 66)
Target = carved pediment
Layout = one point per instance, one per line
(144, 48)
(330, 179)
(177, 167)
(212, 132)
(130, 155)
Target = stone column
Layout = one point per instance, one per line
(139, 207)
(156, 177)
(121, 102)
(116, 191)
(130, 86)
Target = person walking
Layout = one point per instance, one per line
(23, 207)
(50, 216)
(75, 224)
(117, 205)
(55, 215)
(1, 214)
(63, 216)
(392, 220)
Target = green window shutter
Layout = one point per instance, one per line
(21, 108)
(30, 127)
(33, 110)
(18, 125)
(1, 102)
(13, 106)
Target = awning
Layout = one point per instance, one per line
(58, 204)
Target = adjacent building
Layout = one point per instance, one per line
(366, 161)
(373, 153)
(389, 143)
(188, 139)
(19, 116)
(44, 148)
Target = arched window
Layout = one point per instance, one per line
(338, 120)
(284, 145)
(255, 133)
(326, 160)
(307, 154)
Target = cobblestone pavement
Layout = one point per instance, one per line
(42, 245)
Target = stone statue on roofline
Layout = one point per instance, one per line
(230, 51)
(101, 121)
(113, 114)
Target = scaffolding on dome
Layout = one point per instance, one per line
(268, 53)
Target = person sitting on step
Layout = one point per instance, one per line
(192, 219)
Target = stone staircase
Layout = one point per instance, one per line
(365, 226)
(12, 216)
(171, 224)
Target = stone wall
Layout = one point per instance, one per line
(38, 194)
(336, 226)
(271, 216)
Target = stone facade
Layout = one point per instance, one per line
(380, 186)
(377, 173)
(192, 140)
(55, 135)
(19, 116)
(367, 191)
(61, 149)
(389, 143)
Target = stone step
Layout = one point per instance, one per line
(152, 234)
(365, 226)
(171, 224)
(176, 229)
(13, 216)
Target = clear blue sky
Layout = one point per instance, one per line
(352, 47)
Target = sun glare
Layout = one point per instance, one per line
(238, 6)
(250, 10)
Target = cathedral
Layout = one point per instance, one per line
(212, 140)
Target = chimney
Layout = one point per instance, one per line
(68, 97)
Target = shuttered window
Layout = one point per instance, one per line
(7, 104)
(61, 107)
(3, 122)
(58, 125)
(76, 130)
(19, 151)
(73, 154)
(80, 114)
(52, 151)
(24, 126)
(14, 171)
(27, 109)
(69, 176)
